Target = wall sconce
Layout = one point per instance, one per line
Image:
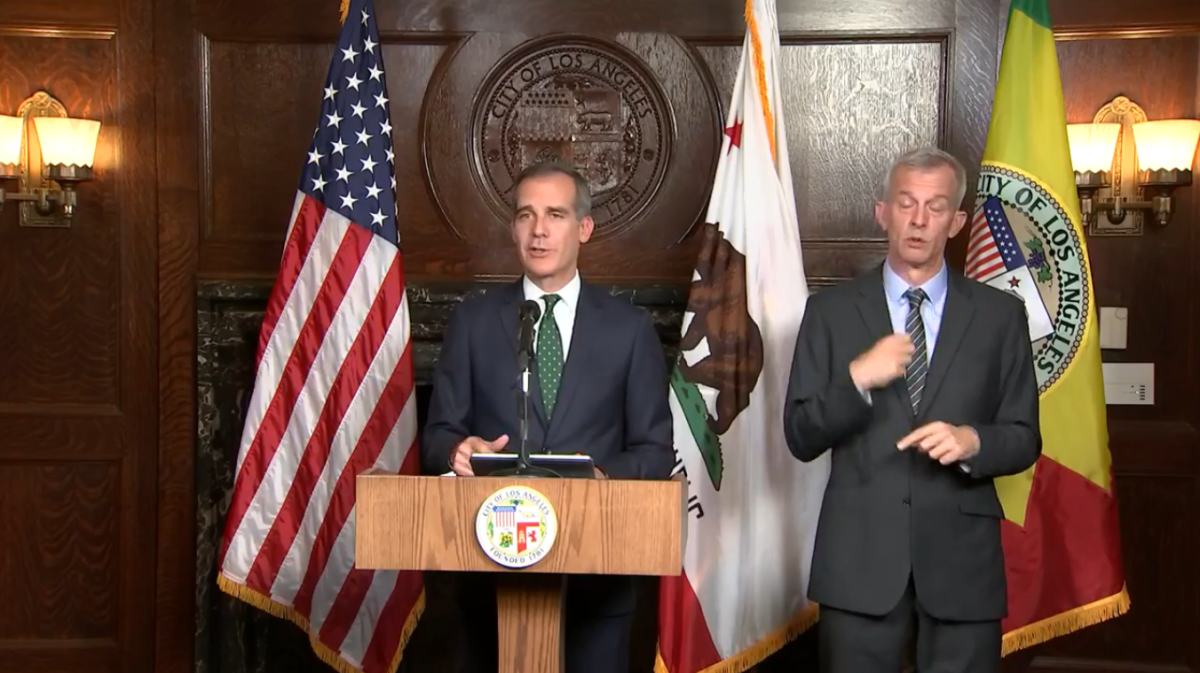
(47, 171)
(1122, 151)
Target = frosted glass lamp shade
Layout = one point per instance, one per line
(67, 142)
(1092, 146)
(1166, 145)
(10, 139)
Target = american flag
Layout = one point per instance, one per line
(992, 249)
(333, 396)
(505, 517)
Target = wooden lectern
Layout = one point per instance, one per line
(605, 527)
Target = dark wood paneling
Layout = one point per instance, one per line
(67, 656)
(1155, 633)
(848, 108)
(177, 80)
(1090, 14)
(60, 14)
(718, 18)
(59, 561)
(78, 397)
(60, 291)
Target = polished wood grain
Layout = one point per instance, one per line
(177, 158)
(60, 298)
(605, 526)
(59, 560)
(530, 620)
(904, 78)
(78, 394)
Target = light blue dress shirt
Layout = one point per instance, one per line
(932, 308)
(935, 288)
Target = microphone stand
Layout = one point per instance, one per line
(529, 316)
(523, 412)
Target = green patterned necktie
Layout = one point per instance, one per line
(549, 355)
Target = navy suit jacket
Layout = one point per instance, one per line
(612, 401)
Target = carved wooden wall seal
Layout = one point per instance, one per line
(584, 102)
(499, 101)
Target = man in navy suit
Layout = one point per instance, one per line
(599, 387)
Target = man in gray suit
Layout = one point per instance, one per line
(921, 383)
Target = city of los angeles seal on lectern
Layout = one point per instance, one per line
(516, 526)
(1031, 249)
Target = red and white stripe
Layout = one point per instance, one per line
(505, 518)
(333, 397)
(983, 257)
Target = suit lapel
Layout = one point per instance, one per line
(874, 310)
(584, 334)
(956, 317)
(512, 331)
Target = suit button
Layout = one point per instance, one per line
(907, 501)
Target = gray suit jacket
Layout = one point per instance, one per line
(889, 513)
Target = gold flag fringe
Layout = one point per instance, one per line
(323, 651)
(343, 11)
(764, 648)
(1067, 622)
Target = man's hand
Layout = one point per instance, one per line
(887, 360)
(460, 460)
(943, 442)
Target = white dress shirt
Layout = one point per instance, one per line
(564, 310)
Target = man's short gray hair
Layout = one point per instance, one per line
(542, 169)
(925, 159)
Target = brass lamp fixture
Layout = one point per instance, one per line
(47, 154)
(1122, 152)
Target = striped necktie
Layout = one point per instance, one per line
(915, 375)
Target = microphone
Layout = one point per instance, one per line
(529, 311)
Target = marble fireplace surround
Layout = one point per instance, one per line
(231, 637)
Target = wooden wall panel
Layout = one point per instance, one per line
(60, 292)
(78, 310)
(838, 147)
(64, 585)
(849, 107)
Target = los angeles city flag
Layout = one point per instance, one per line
(752, 507)
(333, 393)
(1061, 541)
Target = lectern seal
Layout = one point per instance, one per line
(516, 526)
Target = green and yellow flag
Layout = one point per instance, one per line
(1061, 540)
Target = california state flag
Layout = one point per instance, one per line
(752, 507)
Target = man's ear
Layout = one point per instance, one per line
(960, 218)
(586, 227)
(880, 209)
